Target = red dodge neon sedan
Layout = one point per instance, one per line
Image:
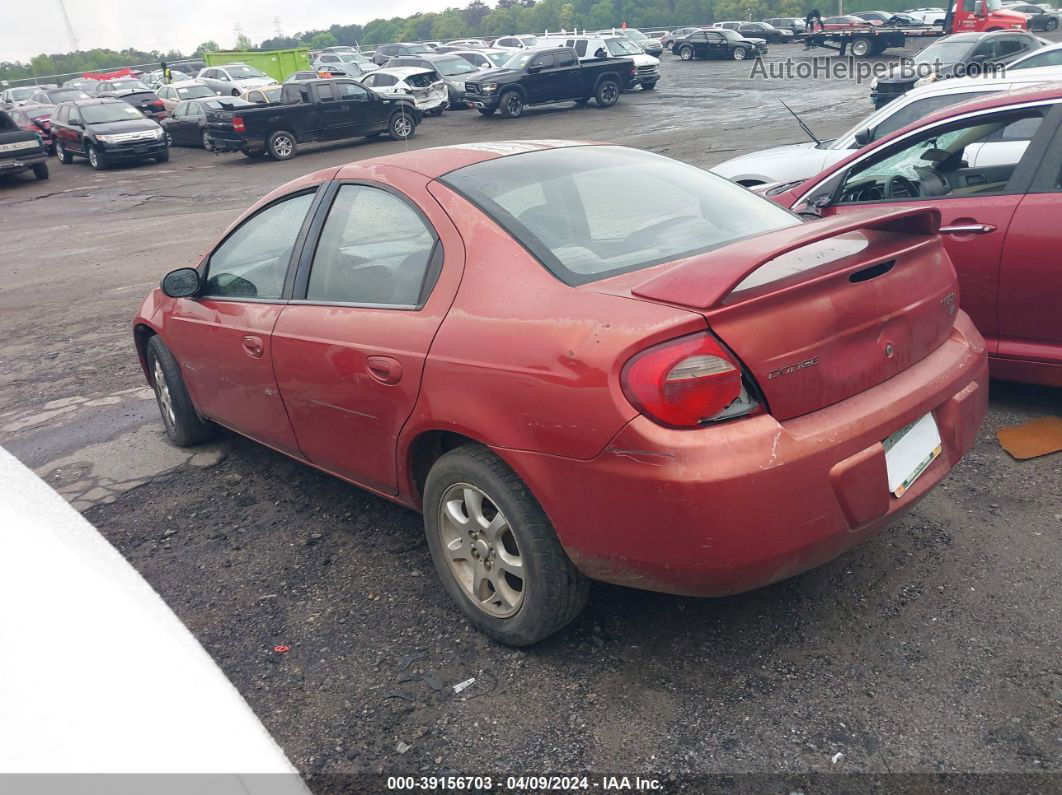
(580, 362)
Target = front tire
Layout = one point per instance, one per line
(40, 171)
(649, 86)
(184, 426)
(64, 156)
(281, 145)
(862, 47)
(486, 111)
(739, 54)
(512, 104)
(686, 53)
(96, 160)
(607, 93)
(401, 127)
(495, 550)
(164, 157)
(1052, 24)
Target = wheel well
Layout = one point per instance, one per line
(141, 335)
(428, 448)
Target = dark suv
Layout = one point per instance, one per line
(106, 131)
(387, 51)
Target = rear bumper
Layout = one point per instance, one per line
(234, 144)
(737, 506)
(10, 165)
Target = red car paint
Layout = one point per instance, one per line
(504, 353)
(992, 17)
(1010, 277)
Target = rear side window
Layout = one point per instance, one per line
(374, 249)
(325, 93)
(253, 261)
(565, 59)
(595, 211)
(580, 48)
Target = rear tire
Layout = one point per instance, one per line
(512, 104)
(184, 426)
(1052, 24)
(862, 47)
(281, 145)
(686, 53)
(40, 171)
(401, 127)
(607, 93)
(549, 591)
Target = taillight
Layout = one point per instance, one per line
(686, 382)
(237, 124)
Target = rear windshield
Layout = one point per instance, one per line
(193, 92)
(590, 212)
(422, 79)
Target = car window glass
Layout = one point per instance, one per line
(565, 59)
(325, 93)
(544, 61)
(989, 49)
(374, 249)
(351, 91)
(580, 47)
(956, 161)
(1011, 46)
(253, 261)
(1050, 58)
(919, 109)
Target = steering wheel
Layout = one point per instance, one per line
(932, 182)
(898, 182)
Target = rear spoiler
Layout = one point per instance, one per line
(728, 266)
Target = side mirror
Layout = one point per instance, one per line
(534, 69)
(979, 59)
(181, 283)
(979, 8)
(863, 137)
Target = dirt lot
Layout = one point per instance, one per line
(934, 648)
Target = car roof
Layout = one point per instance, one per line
(81, 103)
(402, 71)
(188, 84)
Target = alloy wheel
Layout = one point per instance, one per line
(93, 158)
(481, 550)
(283, 146)
(162, 390)
(403, 127)
(514, 104)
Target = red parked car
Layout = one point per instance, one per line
(38, 119)
(697, 392)
(1000, 205)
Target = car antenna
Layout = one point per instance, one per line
(803, 126)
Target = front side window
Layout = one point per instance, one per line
(351, 91)
(325, 93)
(961, 160)
(374, 249)
(565, 59)
(572, 209)
(919, 109)
(253, 261)
(544, 61)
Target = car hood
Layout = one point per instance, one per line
(744, 40)
(779, 163)
(115, 127)
(491, 74)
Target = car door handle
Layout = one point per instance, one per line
(384, 369)
(253, 346)
(967, 229)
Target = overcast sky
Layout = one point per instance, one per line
(30, 28)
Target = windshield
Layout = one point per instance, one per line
(572, 209)
(243, 72)
(944, 53)
(353, 57)
(419, 48)
(498, 58)
(453, 66)
(67, 95)
(637, 35)
(728, 33)
(528, 41)
(193, 92)
(111, 112)
(122, 85)
(622, 47)
(520, 60)
(22, 93)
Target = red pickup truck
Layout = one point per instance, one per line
(980, 16)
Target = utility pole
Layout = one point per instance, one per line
(74, 45)
(277, 29)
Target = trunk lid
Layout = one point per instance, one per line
(825, 310)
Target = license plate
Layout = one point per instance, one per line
(909, 451)
(139, 149)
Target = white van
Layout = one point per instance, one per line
(588, 46)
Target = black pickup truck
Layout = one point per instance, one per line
(310, 110)
(21, 150)
(535, 77)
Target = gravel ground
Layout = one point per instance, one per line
(932, 649)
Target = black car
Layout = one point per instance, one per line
(668, 39)
(53, 96)
(21, 150)
(136, 94)
(385, 52)
(717, 43)
(106, 131)
(1039, 19)
(959, 55)
(187, 125)
(760, 30)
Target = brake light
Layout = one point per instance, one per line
(685, 382)
(237, 124)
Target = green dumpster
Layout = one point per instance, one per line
(278, 64)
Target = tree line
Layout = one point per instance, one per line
(474, 20)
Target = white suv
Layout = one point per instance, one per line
(233, 78)
(593, 45)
